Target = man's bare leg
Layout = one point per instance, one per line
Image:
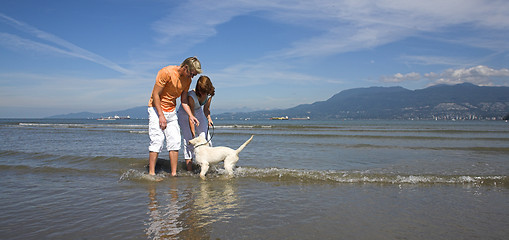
(174, 155)
(152, 159)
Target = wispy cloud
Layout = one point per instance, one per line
(55, 90)
(357, 25)
(59, 46)
(346, 25)
(437, 60)
(255, 73)
(192, 22)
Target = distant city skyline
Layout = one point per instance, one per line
(61, 57)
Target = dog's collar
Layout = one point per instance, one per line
(209, 138)
(202, 144)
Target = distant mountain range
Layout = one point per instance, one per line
(462, 101)
(133, 113)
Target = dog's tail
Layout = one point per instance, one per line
(244, 145)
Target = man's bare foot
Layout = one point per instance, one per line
(154, 177)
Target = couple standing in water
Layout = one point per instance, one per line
(191, 119)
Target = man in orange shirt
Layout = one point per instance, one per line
(172, 82)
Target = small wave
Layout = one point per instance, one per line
(324, 135)
(51, 162)
(314, 176)
(59, 125)
(296, 176)
(139, 132)
(67, 171)
(243, 126)
(84, 125)
(136, 175)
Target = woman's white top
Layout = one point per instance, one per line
(197, 103)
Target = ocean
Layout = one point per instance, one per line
(297, 179)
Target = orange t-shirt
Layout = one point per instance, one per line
(173, 85)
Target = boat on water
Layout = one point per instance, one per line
(305, 118)
(106, 119)
(280, 118)
(113, 118)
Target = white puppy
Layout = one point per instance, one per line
(206, 155)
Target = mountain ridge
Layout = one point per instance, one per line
(461, 101)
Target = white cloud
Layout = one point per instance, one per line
(398, 77)
(479, 75)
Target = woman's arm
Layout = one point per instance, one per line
(185, 104)
(206, 111)
(191, 123)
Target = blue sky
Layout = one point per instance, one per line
(61, 57)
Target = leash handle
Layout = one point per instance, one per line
(208, 130)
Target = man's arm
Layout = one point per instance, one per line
(156, 102)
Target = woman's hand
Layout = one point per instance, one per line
(194, 120)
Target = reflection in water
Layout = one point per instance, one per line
(215, 201)
(185, 210)
(163, 223)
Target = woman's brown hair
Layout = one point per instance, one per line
(204, 86)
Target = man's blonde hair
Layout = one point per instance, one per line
(193, 64)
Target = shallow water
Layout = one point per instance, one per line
(85, 179)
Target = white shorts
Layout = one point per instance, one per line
(157, 135)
